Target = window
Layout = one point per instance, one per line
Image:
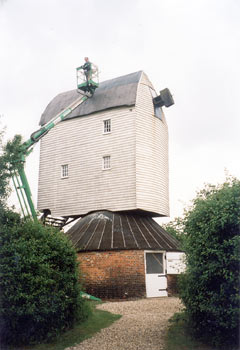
(64, 171)
(154, 263)
(107, 126)
(157, 109)
(158, 112)
(106, 162)
(153, 92)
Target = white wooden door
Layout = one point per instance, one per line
(156, 280)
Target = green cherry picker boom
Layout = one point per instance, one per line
(87, 82)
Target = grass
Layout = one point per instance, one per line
(178, 336)
(97, 320)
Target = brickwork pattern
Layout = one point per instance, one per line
(113, 274)
(172, 281)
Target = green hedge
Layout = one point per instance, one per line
(39, 289)
(210, 288)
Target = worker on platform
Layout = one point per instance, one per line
(87, 67)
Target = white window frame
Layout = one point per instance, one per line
(106, 162)
(164, 260)
(64, 171)
(107, 126)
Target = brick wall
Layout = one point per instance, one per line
(172, 281)
(113, 274)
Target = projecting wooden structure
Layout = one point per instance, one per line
(110, 153)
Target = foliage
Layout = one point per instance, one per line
(8, 218)
(97, 320)
(210, 288)
(9, 154)
(4, 174)
(39, 289)
(179, 335)
(176, 229)
(11, 151)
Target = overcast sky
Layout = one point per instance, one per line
(190, 46)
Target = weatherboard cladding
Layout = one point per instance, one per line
(104, 231)
(137, 144)
(116, 92)
(151, 153)
(80, 143)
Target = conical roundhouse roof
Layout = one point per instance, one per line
(104, 230)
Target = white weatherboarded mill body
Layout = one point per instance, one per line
(110, 154)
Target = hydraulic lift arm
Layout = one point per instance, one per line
(37, 135)
(18, 174)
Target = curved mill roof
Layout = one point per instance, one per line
(121, 91)
(105, 230)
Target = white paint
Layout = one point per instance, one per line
(156, 286)
(156, 283)
(100, 216)
(138, 146)
(175, 263)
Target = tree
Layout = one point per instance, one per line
(39, 275)
(8, 153)
(210, 287)
(8, 156)
(176, 229)
(4, 174)
(39, 288)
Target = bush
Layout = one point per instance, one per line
(210, 288)
(39, 289)
(8, 218)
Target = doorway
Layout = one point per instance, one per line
(156, 279)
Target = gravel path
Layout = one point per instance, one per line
(141, 327)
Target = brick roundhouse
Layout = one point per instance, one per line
(118, 251)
